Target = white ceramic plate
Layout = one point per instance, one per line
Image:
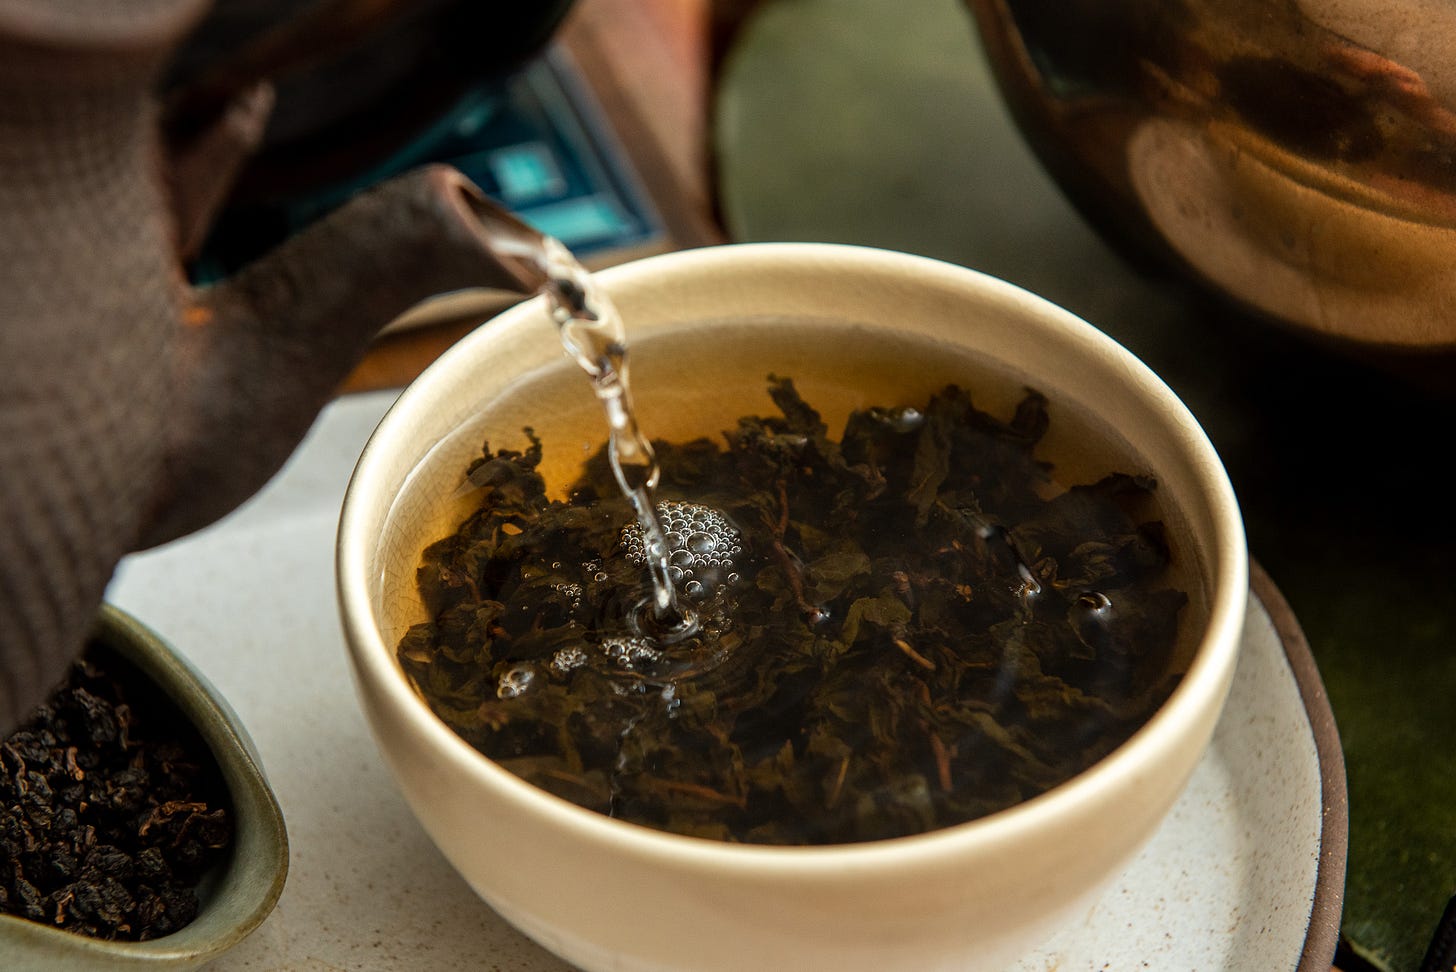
(1244, 874)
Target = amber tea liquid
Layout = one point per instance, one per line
(655, 717)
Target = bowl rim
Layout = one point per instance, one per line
(250, 884)
(1203, 687)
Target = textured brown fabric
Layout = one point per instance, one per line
(131, 410)
(264, 351)
(88, 297)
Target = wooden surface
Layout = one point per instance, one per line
(647, 62)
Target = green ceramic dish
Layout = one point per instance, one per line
(240, 894)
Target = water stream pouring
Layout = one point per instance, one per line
(593, 334)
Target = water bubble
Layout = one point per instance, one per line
(599, 576)
(693, 588)
(629, 652)
(515, 681)
(701, 544)
(567, 660)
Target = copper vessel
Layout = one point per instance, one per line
(1297, 156)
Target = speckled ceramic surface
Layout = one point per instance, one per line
(1258, 796)
(1227, 882)
(245, 888)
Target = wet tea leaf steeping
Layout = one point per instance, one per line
(904, 627)
(790, 638)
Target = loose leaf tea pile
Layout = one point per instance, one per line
(111, 809)
(919, 628)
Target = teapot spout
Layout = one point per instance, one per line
(264, 350)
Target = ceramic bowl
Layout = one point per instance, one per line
(240, 894)
(853, 327)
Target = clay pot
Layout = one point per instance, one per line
(1294, 157)
(134, 408)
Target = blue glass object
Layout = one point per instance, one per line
(535, 143)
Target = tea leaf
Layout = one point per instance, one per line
(884, 611)
(919, 635)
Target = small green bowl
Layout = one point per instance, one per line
(239, 894)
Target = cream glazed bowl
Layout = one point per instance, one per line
(854, 327)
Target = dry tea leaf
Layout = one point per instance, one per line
(111, 808)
